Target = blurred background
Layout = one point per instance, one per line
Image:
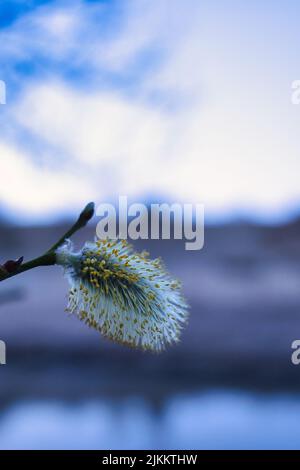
(162, 101)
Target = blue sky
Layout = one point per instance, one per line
(190, 100)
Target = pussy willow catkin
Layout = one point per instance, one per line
(129, 298)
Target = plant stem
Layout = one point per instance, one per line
(49, 258)
(82, 220)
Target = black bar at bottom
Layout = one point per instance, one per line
(136, 458)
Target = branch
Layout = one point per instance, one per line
(49, 258)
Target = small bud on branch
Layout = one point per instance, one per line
(11, 266)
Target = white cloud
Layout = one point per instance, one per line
(93, 128)
(29, 189)
(47, 31)
(229, 136)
